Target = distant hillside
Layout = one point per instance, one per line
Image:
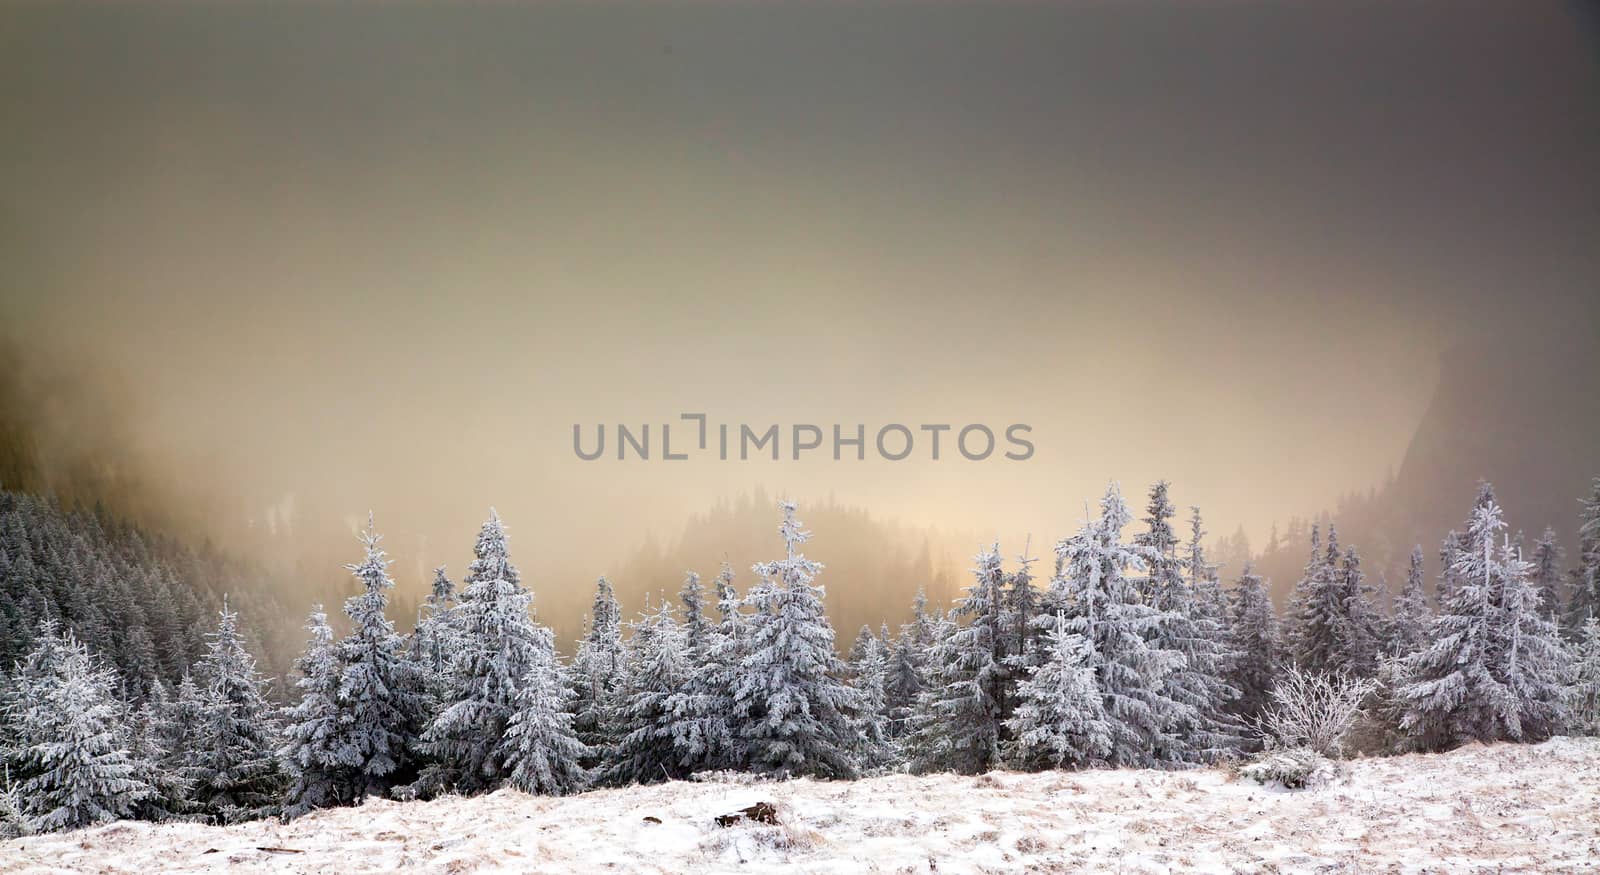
(1524, 415)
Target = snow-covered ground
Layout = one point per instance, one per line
(1505, 808)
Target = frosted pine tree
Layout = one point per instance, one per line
(1408, 628)
(1583, 590)
(907, 664)
(1359, 629)
(1253, 638)
(71, 740)
(595, 674)
(496, 647)
(795, 711)
(434, 639)
(656, 669)
(543, 753)
(970, 697)
(702, 735)
(695, 628)
(317, 749)
(1103, 606)
(1021, 609)
(151, 751)
(1492, 668)
(875, 751)
(1315, 628)
(1547, 573)
(924, 744)
(232, 758)
(382, 697)
(1060, 721)
(1583, 695)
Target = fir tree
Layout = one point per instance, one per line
(495, 648)
(1253, 639)
(970, 697)
(232, 757)
(318, 751)
(381, 697)
(1583, 696)
(703, 737)
(434, 640)
(1104, 607)
(1408, 629)
(656, 668)
(1546, 559)
(596, 672)
(543, 753)
(71, 742)
(1060, 722)
(1492, 669)
(875, 750)
(796, 712)
(907, 665)
(1583, 590)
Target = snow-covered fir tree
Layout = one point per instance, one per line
(703, 736)
(434, 639)
(543, 752)
(1408, 627)
(232, 757)
(908, 664)
(1546, 557)
(70, 740)
(924, 744)
(1253, 640)
(796, 713)
(382, 694)
(152, 748)
(595, 674)
(696, 629)
(1493, 667)
(1359, 631)
(1104, 607)
(497, 644)
(645, 752)
(1022, 608)
(318, 752)
(875, 750)
(970, 696)
(1583, 695)
(1059, 721)
(1189, 622)
(1583, 589)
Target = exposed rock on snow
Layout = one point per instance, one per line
(1504, 808)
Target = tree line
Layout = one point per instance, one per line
(1131, 653)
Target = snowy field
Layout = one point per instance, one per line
(1504, 808)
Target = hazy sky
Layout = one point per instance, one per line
(385, 257)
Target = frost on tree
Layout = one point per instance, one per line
(908, 665)
(646, 751)
(317, 750)
(382, 699)
(496, 645)
(874, 752)
(543, 753)
(968, 698)
(233, 755)
(1583, 696)
(596, 673)
(1408, 628)
(1103, 606)
(797, 716)
(1583, 590)
(1253, 639)
(1060, 721)
(69, 740)
(1494, 668)
(703, 736)
(1547, 573)
(434, 640)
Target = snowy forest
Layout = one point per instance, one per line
(132, 688)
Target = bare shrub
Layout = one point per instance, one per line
(1313, 710)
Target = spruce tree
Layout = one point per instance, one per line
(1546, 558)
(232, 757)
(1060, 721)
(1583, 695)
(656, 669)
(795, 711)
(382, 697)
(704, 738)
(874, 751)
(1583, 590)
(71, 741)
(970, 697)
(543, 752)
(1408, 628)
(318, 751)
(1133, 676)
(496, 646)
(596, 673)
(1253, 640)
(907, 665)
(434, 640)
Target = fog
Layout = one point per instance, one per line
(271, 269)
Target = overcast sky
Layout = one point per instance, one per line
(385, 257)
